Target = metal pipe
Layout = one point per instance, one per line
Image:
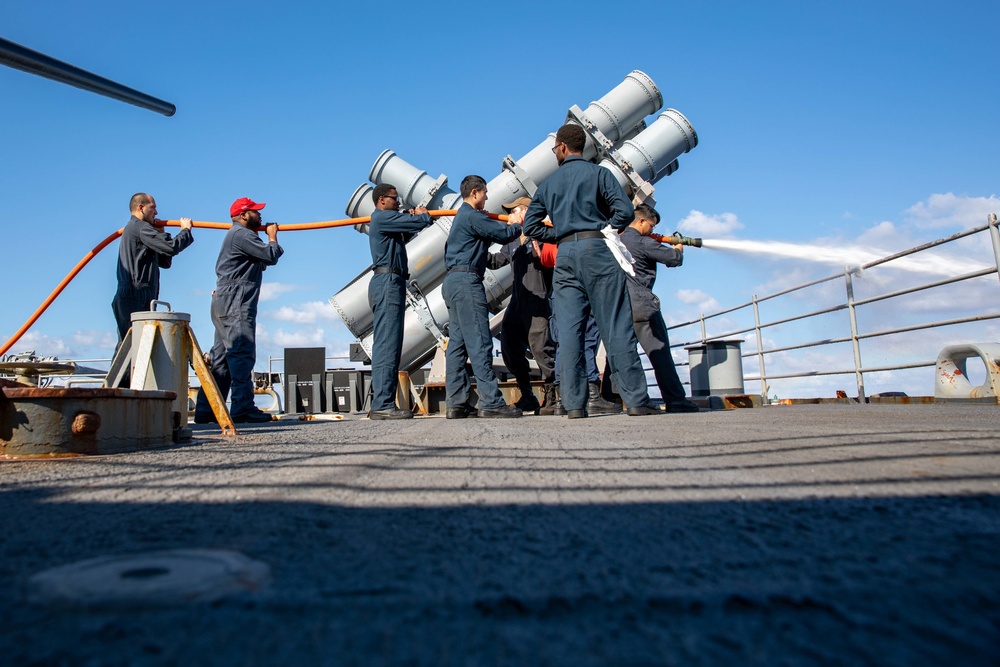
(873, 369)
(22, 58)
(919, 288)
(760, 351)
(995, 236)
(848, 272)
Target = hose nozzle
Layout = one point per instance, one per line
(678, 239)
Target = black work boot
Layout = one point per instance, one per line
(502, 411)
(390, 413)
(596, 405)
(462, 411)
(558, 410)
(528, 402)
(549, 405)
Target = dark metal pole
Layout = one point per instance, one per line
(33, 62)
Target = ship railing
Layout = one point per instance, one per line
(851, 331)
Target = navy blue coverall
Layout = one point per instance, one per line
(142, 252)
(465, 256)
(591, 343)
(387, 236)
(526, 320)
(239, 272)
(650, 328)
(582, 198)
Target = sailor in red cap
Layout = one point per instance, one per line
(239, 271)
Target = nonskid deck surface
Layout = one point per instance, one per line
(808, 534)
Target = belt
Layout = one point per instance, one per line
(378, 270)
(464, 269)
(579, 236)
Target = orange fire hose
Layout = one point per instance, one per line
(176, 223)
(669, 240)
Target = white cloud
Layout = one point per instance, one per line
(706, 303)
(43, 345)
(305, 313)
(270, 291)
(949, 210)
(722, 225)
(883, 235)
(299, 338)
(104, 340)
(788, 277)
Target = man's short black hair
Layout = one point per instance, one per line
(137, 200)
(470, 183)
(648, 212)
(381, 190)
(573, 136)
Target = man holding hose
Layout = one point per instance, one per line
(144, 249)
(239, 269)
(582, 198)
(388, 233)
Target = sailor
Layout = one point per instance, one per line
(388, 233)
(582, 198)
(596, 403)
(465, 256)
(144, 249)
(526, 321)
(239, 271)
(647, 320)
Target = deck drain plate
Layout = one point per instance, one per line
(158, 578)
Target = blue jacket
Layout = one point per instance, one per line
(647, 253)
(387, 236)
(244, 256)
(580, 196)
(144, 250)
(472, 233)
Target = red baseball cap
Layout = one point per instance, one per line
(242, 205)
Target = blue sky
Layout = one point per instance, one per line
(818, 124)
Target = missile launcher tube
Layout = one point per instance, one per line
(360, 205)
(618, 114)
(653, 152)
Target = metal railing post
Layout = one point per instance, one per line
(704, 335)
(859, 376)
(764, 390)
(995, 235)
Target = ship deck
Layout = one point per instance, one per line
(808, 534)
